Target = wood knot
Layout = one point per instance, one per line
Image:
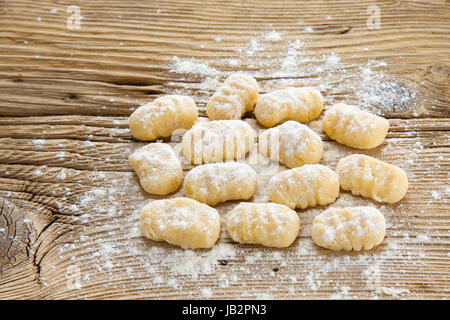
(438, 73)
(13, 234)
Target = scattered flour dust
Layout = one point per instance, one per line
(367, 85)
(38, 142)
(192, 66)
(206, 293)
(301, 269)
(37, 173)
(396, 293)
(193, 264)
(124, 254)
(273, 36)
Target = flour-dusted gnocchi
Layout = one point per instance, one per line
(354, 127)
(358, 228)
(158, 168)
(269, 224)
(218, 182)
(299, 104)
(306, 186)
(181, 221)
(217, 141)
(292, 143)
(372, 178)
(162, 117)
(235, 97)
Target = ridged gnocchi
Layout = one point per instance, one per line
(292, 143)
(354, 127)
(158, 168)
(269, 224)
(358, 228)
(372, 178)
(217, 141)
(218, 182)
(234, 98)
(182, 222)
(306, 186)
(162, 116)
(299, 104)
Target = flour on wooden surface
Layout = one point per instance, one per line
(124, 255)
(369, 86)
(392, 291)
(192, 66)
(273, 36)
(38, 142)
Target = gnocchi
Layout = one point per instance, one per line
(269, 224)
(162, 117)
(234, 98)
(158, 168)
(307, 186)
(299, 104)
(358, 228)
(292, 143)
(354, 127)
(182, 222)
(217, 141)
(372, 178)
(218, 182)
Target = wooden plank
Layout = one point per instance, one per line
(71, 199)
(42, 189)
(128, 59)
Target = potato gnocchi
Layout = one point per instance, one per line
(269, 224)
(354, 127)
(372, 178)
(292, 143)
(234, 98)
(299, 104)
(217, 141)
(307, 186)
(189, 222)
(358, 228)
(218, 182)
(162, 117)
(158, 168)
(182, 222)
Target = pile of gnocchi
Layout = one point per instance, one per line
(215, 147)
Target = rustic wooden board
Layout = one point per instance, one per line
(69, 198)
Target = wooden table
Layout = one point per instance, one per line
(70, 201)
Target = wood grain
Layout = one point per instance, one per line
(65, 96)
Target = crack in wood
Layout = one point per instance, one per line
(15, 231)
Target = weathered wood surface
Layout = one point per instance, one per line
(68, 195)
